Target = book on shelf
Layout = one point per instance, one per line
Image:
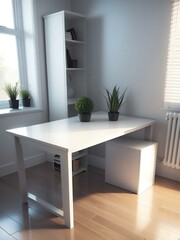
(73, 33)
(71, 63)
(57, 163)
(68, 36)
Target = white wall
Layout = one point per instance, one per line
(32, 155)
(127, 45)
(7, 149)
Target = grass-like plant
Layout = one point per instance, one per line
(84, 105)
(25, 94)
(12, 90)
(114, 99)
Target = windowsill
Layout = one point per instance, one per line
(22, 110)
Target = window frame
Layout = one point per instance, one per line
(18, 32)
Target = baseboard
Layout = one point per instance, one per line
(96, 161)
(167, 172)
(29, 162)
(93, 160)
(161, 170)
(49, 157)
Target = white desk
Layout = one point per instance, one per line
(63, 137)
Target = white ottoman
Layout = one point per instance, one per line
(130, 163)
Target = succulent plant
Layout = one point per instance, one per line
(84, 105)
(114, 99)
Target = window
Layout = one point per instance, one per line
(172, 83)
(12, 56)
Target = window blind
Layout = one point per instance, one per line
(172, 82)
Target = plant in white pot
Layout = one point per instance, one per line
(115, 101)
(84, 107)
(12, 90)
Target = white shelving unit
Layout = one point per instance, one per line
(81, 156)
(65, 83)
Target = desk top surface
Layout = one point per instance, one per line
(73, 135)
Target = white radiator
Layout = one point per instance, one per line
(172, 150)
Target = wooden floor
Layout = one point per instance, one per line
(102, 211)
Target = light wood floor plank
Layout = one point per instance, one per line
(105, 232)
(102, 211)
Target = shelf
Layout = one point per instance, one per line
(79, 155)
(71, 101)
(81, 169)
(72, 15)
(75, 42)
(75, 69)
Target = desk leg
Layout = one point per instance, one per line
(149, 133)
(67, 188)
(21, 170)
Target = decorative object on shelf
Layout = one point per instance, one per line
(68, 58)
(12, 91)
(25, 94)
(114, 102)
(84, 107)
(71, 63)
(57, 163)
(73, 33)
(70, 89)
(68, 36)
(75, 165)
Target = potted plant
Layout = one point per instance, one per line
(114, 102)
(25, 94)
(84, 107)
(12, 91)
